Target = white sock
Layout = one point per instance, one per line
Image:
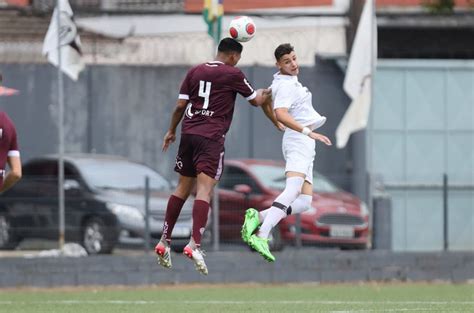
(301, 204)
(262, 215)
(274, 215)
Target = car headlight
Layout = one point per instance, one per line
(125, 212)
(364, 209)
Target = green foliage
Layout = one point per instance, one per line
(439, 6)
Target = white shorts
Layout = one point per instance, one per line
(299, 152)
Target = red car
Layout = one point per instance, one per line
(337, 218)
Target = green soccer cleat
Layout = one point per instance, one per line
(251, 223)
(261, 246)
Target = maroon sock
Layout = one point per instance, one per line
(172, 213)
(200, 212)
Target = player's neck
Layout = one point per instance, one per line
(224, 59)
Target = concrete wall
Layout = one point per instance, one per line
(234, 267)
(125, 110)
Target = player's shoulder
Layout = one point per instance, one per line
(230, 70)
(282, 85)
(4, 117)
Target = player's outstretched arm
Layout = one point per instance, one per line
(262, 95)
(320, 137)
(176, 117)
(286, 119)
(14, 175)
(267, 108)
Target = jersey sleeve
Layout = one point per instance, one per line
(185, 89)
(243, 87)
(283, 96)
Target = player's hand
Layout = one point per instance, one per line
(169, 138)
(280, 126)
(267, 92)
(322, 138)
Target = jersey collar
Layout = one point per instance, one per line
(280, 76)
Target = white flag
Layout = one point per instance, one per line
(71, 62)
(357, 82)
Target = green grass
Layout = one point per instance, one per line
(397, 297)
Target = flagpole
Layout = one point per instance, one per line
(369, 129)
(60, 131)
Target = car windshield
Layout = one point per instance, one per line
(120, 174)
(273, 177)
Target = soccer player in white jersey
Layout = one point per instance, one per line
(292, 103)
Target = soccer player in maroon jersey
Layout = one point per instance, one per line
(9, 152)
(206, 106)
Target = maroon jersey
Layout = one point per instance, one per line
(8, 142)
(211, 89)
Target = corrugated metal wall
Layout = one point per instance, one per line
(422, 127)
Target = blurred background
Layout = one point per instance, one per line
(404, 183)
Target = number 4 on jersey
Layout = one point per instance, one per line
(205, 92)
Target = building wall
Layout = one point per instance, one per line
(125, 110)
(422, 126)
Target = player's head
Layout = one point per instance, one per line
(286, 59)
(229, 51)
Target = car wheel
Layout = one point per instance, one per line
(94, 237)
(7, 239)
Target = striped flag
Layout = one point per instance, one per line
(212, 13)
(71, 62)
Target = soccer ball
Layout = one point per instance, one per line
(242, 28)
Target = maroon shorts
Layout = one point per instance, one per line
(198, 154)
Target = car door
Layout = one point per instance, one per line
(47, 208)
(232, 204)
(18, 203)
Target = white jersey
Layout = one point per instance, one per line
(288, 92)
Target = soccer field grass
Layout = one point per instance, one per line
(397, 297)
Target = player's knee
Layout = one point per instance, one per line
(303, 203)
(306, 203)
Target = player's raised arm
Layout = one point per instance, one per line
(176, 117)
(14, 175)
(285, 118)
(261, 96)
(267, 108)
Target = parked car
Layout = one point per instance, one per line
(104, 203)
(337, 218)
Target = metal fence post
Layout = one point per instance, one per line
(298, 242)
(445, 211)
(147, 214)
(215, 219)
